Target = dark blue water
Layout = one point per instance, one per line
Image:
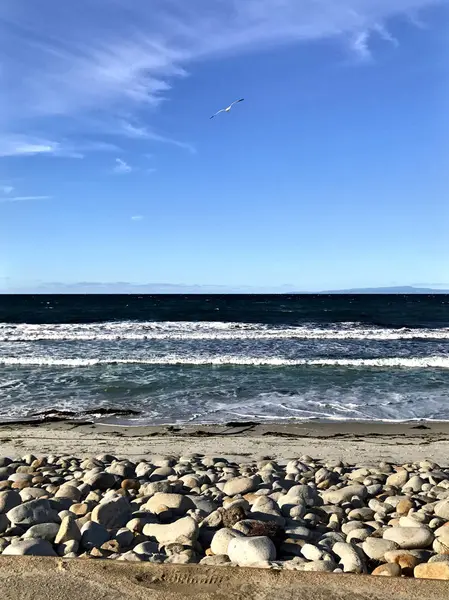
(218, 358)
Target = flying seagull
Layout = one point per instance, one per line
(228, 108)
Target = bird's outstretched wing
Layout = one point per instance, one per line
(218, 112)
(237, 101)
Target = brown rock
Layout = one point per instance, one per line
(406, 560)
(404, 506)
(388, 570)
(111, 546)
(5, 485)
(233, 515)
(130, 484)
(436, 570)
(98, 553)
(209, 552)
(20, 485)
(83, 520)
(80, 509)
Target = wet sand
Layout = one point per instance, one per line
(353, 442)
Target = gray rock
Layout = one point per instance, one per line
(217, 560)
(164, 487)
(30, 547)
(31, 493)
(376, 548)
(123, 469)
(246, 551)
(9, 499)
(221, 539)
(344, 494)
(178, 503)
(68, 531)
(93, 535)
(240, 485)
(442, 509)
(349, 558)
(124, 537)
(205, 505)
(4, 523)
(182, 529)
(318, 566)
(398, 479)
(99, 481)
(410, 537)
(69, 491)
(113, 513)
(311, 552)
(33, 513)
(145, 549)
(43, 531)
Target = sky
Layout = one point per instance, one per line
(332, 173)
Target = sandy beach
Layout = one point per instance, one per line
(352, 442)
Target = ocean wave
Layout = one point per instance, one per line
(430, 362)
(179, 331)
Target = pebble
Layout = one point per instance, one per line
(299, 515)
(388, 570)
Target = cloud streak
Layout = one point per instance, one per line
(24, 198)
(68, 60)
(122, 167)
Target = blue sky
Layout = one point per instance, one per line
(332, 173)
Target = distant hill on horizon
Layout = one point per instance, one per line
(406, 289)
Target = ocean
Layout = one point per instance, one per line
(214, 359)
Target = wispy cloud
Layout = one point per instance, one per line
(12, 144)
(137, 218)
(74, 60)
(122, 167)
(6, 189)
(24, 198)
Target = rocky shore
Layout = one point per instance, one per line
(304, 514)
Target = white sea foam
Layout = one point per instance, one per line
(432, 362)
(173, 330)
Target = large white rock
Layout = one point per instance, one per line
(240, 485)
(349, 558)
(112, 514)
(442, 509)
(178, 503)
(9, 499)
(185, 528)
(344, 494)
(409, 538)
(30, 547)
(375, 548)
(247, 551)
(221, 539)
(398, 479)
(33, 513)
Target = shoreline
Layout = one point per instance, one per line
(350, 441)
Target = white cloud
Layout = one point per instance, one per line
(137, 218)
(74, 60)
(6, 189)
(24, 198)
(121, 166)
